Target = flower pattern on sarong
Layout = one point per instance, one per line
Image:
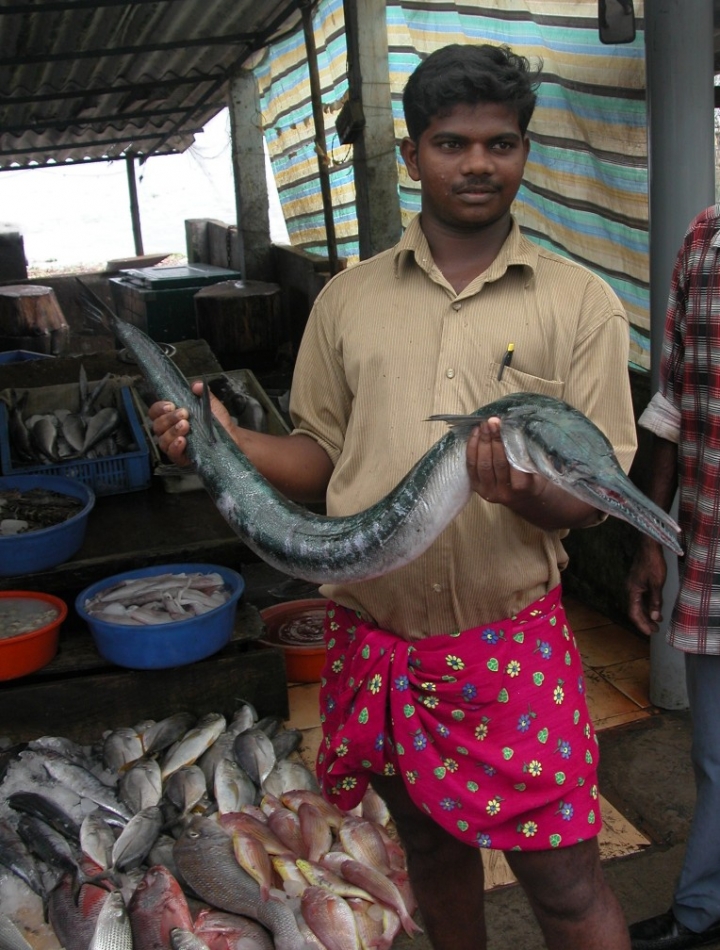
(489, 728)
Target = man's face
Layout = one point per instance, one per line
(470, 163)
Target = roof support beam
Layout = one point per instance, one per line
(59, 147)
(90, 92)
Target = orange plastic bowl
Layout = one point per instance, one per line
(296, 627)
(26, 652)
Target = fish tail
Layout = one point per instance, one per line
(94, 307)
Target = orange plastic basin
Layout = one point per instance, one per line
(27, 652)
(296, 628)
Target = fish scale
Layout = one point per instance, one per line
(206, 860)
(112, 930)
(402, 525)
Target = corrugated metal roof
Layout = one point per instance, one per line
(94, 80)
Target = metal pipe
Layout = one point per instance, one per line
(134, 205)
(680, 94)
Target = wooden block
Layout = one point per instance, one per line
(31, 312)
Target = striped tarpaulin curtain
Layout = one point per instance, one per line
(585, 190)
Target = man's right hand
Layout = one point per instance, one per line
(645, 586)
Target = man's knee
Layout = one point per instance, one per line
(565, 883)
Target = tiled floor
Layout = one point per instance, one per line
(617, 667)
(617, 673)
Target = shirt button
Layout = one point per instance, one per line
(450, 373)
(457, 306)
(437, 588)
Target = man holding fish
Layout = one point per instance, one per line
(480, 738)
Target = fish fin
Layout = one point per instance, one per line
(207, 415)
(456, 421)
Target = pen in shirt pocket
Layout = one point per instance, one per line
(507, 359)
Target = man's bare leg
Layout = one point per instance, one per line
(446, 875)
(570, 897)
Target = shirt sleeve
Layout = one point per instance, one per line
(320, 398)
(662, 418)
(598, 381)
(673, 347)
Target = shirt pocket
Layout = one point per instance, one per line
(515, 381)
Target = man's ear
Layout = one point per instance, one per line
(409, 152)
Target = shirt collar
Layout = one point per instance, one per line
(516, 251)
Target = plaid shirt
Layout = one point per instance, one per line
(690, 380)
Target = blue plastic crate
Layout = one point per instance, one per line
(21, 356)
(129, 471)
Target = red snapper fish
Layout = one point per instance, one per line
(157, 906)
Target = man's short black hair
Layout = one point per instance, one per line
(469, 74)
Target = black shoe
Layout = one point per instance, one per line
(664, 932)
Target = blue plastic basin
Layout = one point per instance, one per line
(45, 548)
(160, 646)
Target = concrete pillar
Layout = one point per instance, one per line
(680, 95)
(374, 161)
(251, 193)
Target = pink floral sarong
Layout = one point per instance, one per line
(489, 728)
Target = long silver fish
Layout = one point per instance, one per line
(545, 436)
(404, 523)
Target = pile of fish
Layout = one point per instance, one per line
(161, 598)
(244, 408)
(192, 835)
(34, 509)
(62, 435)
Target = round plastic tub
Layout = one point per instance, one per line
(161, 646)
(296, 628)
(27, 652)
(45, 548)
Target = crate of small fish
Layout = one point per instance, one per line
(249, 406)
(90, 431)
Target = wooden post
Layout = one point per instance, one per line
(320, 142)
(31, 319)
(374, 161)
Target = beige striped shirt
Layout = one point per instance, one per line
(389, 343)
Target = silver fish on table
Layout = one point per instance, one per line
(112, 930)
(141, 786)
(538, 431)
(137, 838)
(15, 856)
(206, 860)
(81, 781)
(10, 936)
(186, 940)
